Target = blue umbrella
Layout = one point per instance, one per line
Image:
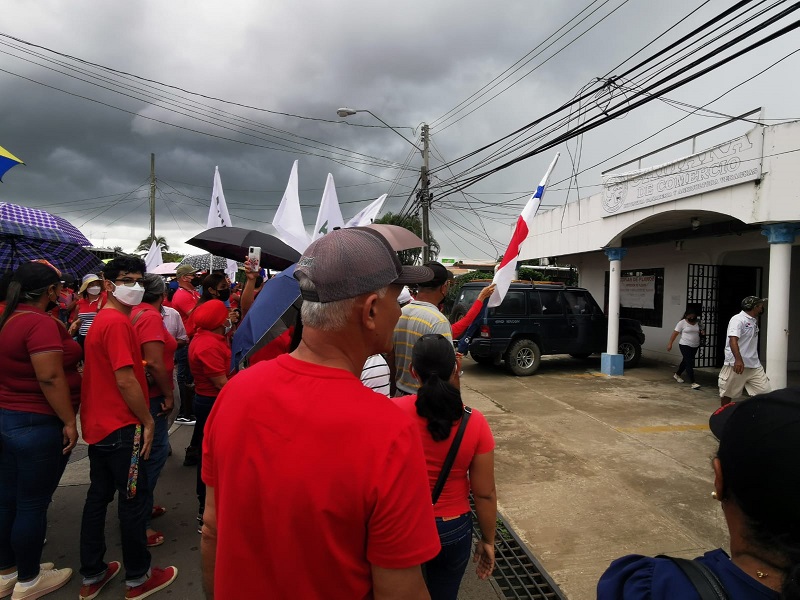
(275, 310)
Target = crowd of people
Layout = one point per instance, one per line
(349, 433)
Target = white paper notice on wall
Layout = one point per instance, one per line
(638, 291)
(675, 300)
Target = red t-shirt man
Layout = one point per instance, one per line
(110, 345)
(209, 356)
(306, 505)
(478, 439)
(149, 327)
(184, 301)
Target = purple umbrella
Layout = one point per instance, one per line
(30, 233)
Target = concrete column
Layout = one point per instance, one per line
(780, 237)
(611, 362)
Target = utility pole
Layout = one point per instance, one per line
(152, 197)
(424, 194)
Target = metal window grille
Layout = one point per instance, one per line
(702, 290)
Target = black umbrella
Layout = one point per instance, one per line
(234, 243)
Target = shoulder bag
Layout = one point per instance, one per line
(451, 456)
(708, 586)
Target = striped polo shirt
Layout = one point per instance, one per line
(418, 318)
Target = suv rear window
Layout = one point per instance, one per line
(513, 305)
(468, 296)
(551, 303)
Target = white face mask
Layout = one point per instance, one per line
(129, 296)
(93, 290)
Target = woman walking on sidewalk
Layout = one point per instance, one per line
(691, 331)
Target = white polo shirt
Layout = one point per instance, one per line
(744, 327)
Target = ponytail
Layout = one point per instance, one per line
(439, 402)
(12, 301)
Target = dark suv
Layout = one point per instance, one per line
(536, 319)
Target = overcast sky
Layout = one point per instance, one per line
(88, 154)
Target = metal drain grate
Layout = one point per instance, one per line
(517, 573)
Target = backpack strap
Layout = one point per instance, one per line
(451, 456)
(703, 579)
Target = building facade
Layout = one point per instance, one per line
(701, 232)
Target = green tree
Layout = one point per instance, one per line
(414, 224)
(145, 244)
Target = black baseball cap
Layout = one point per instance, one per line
(441, 275)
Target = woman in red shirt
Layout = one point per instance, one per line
(438, 410)
(209, 361)
(39, 396)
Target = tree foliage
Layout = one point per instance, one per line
(414, 224)
(145, 244)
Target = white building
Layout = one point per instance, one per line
(708, 229)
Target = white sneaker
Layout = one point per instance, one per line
(7, 585)
(677, 378)
(49, 581)
(695, 386)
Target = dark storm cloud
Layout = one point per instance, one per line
(407, 62)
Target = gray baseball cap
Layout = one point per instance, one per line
(346, 263)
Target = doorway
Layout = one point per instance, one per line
(716, 291)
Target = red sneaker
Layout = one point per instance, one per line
(90, 591)
(159, 579)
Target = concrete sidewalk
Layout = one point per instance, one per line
(590, 467)
(175, 491)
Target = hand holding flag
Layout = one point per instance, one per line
(505, 272)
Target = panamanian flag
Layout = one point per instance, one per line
(505, 272)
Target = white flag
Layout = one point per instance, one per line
(218, 217)
(288, 219)
(153, 258)
(329, 215)
(367, 215)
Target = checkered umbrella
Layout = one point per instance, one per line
(200, 262)
(30, 233)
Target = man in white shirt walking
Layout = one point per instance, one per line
(742, 369)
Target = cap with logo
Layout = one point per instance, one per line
(346, 263)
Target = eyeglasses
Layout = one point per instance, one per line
(128, 281)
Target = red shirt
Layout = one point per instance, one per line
(110, 345)
(209, 356)
(477, 439)
(150, 328)
(184, 302)
(30, 332)
(315, 478)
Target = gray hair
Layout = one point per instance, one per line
(328, 316)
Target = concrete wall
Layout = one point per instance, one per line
(749, 249)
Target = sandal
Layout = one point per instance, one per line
(158, 511)
(155, 540)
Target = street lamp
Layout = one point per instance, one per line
(424, 195)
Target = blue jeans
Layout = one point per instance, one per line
(687, 364)
(182, 372)
(443, 574)
(109, 462)
(158, 453)
(202, 408)
(31, 465)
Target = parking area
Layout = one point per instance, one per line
(590, 467)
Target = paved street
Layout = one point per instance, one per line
(588, 468)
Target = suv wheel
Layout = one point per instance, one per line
(523, 357)
(631, 351)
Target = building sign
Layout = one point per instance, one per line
(731, 163)
(448, 261)
(637, 291)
